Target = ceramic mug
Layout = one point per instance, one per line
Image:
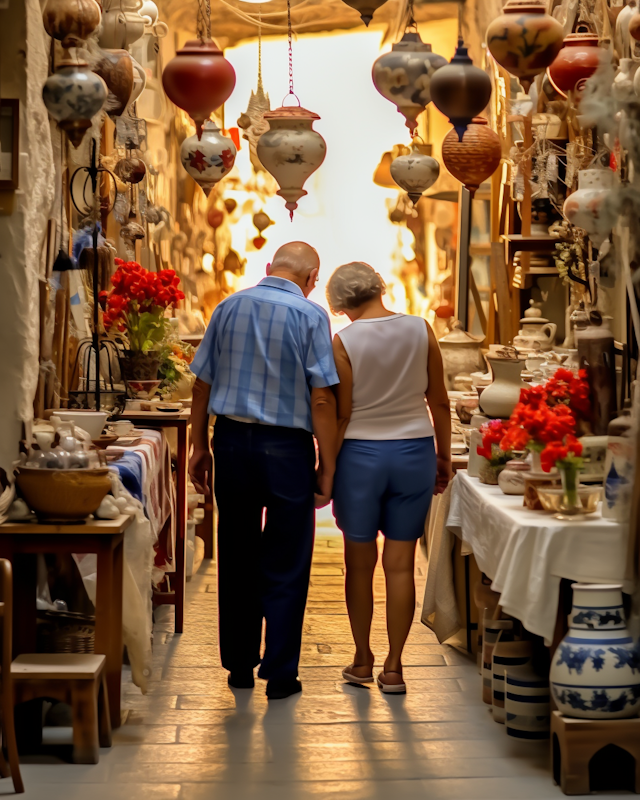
(122, 428)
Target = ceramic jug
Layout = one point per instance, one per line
(499, 399)
(460, 352)
(595, 672)
(537, 333)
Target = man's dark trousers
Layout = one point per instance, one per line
(263, 572)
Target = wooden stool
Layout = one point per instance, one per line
(583, 751)
(78, 680)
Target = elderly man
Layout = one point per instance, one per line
(265, 368)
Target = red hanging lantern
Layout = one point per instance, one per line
(259, 242)
(199, 80)
(576, 62)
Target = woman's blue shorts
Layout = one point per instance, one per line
(384, 486)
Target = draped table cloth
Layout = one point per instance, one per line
(527, 553)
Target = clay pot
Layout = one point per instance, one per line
(291, 151)
(116, 70)
(73, 95)
(71, 21)
(209, 158)
(63, 495)
(199, 80)
(215, 217)
(130, 169)
(525, 39)
(459, 90)
(475, 157)
(576, 62)
(403, 76)
(511, 479)
(365, 8)
(584, 208)
(416, 172)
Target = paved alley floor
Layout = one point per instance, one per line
(191, 738)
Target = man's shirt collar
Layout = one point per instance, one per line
(282, 283)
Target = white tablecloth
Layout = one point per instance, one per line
(527, 553)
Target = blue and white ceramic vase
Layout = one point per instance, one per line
(73, 95)
(595, 672)
(526, 704)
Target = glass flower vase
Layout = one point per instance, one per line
(570, 477)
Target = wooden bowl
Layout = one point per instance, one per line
(63, 495)
(106, 440)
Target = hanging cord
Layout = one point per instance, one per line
(204, 20)
(290, 39)
(260, 85)
(411, 20)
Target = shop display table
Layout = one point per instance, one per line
(527, 553)
(20, 542)
(180, 421)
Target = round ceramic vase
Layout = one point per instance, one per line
(506, 655)
(473, 158)
(209, 158)
(403, 76)
(415, 173)
(500, 398)
(583, 208)
(595, 672)
(576, 62)
(526, 704)
(511, 479)
(73, 95)
(524, 39)
(71, 21)
(491, 630)
(291, 151)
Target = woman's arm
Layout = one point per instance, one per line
(344, 389)
(438, 400)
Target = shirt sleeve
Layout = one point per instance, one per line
(320, 367)
(203, 365)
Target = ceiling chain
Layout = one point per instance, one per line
(290, 38)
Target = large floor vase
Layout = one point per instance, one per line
(526, 704)
(595, 672)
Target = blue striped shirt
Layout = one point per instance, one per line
(264, 349)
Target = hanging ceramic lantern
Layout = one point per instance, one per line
(584, 208)
(116, 70)
(403, 76)
(230, 204)
(366, 8)
(73, 95)
(475, 157)
(130, 169)
(262, 222)
(576, 62)
(71, 21)
(524, 39)
(199, 80)
(291, 151)
(215, 217)
(415, 172)
(208, 158)
(634, 27)
(460, 90)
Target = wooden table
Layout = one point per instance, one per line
(180, 421)
(20, 542)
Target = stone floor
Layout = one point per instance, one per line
(191, 738)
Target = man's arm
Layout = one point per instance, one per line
(201, 462)
(325, 428)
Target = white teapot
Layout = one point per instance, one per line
(536, 333)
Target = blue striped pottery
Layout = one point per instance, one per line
(526, 704)
(492, 628)
(595, 672)
(506, 654)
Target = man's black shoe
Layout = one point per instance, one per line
(241, 680)
(278, 690)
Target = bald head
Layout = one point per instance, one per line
(297, 262)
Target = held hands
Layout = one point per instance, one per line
(324, 488)
(201, 470)
(443, 475)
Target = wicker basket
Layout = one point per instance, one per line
(66, 632)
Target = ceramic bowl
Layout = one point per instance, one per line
(90, 421)
(144, 390)
(63, 495)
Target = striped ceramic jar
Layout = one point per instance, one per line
(595, 672)
(506, 654)
(492, 628)
(526, 704)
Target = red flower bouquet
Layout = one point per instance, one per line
(136, 304)
(562, 453)
(493, 434)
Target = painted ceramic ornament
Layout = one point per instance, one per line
(416, 172)
(475, 157)
(584, 208)
(460, 91)
(291, 151)
(595, 672)
(199, 80)
(366, 8)
(71, 21)
(208, 158)
(73, 95)
(576, 63)
(116, 70)
(130, 169)
(524, 39)
(404, 75)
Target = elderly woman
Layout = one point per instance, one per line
(388, 468)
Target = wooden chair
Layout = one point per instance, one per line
(8, 724)
(80, 681)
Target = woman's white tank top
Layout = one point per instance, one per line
(389, 357)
